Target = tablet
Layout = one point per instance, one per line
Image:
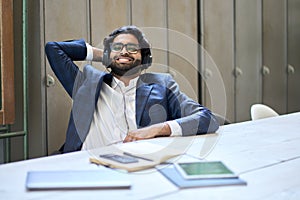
(205, 169)
(85, 179)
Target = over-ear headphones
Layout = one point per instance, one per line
(105, 58)
(145, 46)
(146, 58)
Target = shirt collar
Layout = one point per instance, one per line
(132, 84)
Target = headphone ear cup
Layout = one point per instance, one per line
(147, 61)
(105, 58)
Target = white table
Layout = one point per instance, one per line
(265, 153)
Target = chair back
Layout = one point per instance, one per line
(261, 111)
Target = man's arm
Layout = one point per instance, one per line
(61, 56)
(192, 117)
(156, 130)
(94, 53)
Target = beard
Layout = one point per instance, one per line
(125, 69)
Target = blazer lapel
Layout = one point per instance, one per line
(142, 96)
(84, 103)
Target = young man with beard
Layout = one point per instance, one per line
(125, 104)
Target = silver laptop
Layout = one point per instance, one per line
(40, 180)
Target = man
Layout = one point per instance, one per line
(125, 104)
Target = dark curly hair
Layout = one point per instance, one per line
(143, 43)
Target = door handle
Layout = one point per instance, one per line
(265, 70)
(207, 74)
(50, 81)
(290, 70)
(237, 72)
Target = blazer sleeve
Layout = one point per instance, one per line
(61, 56)
(194, 118)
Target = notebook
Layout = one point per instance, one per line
(133, 156)
(40, 180)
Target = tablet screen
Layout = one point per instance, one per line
(207, 169)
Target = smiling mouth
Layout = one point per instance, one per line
(124, 59)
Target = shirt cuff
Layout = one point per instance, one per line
(89, 52)
(175, 128)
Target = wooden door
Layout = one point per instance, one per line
(64, 20)
(248, 56)
(274, 88)
(293, 49)
(218, 43)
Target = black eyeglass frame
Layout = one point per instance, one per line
(137, 47)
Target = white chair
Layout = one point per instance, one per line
(260, 111)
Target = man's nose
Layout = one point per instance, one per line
(124, 50)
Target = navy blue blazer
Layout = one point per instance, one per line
(158, 98)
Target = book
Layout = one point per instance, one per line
(133, 156)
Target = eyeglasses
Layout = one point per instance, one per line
(130, 47)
